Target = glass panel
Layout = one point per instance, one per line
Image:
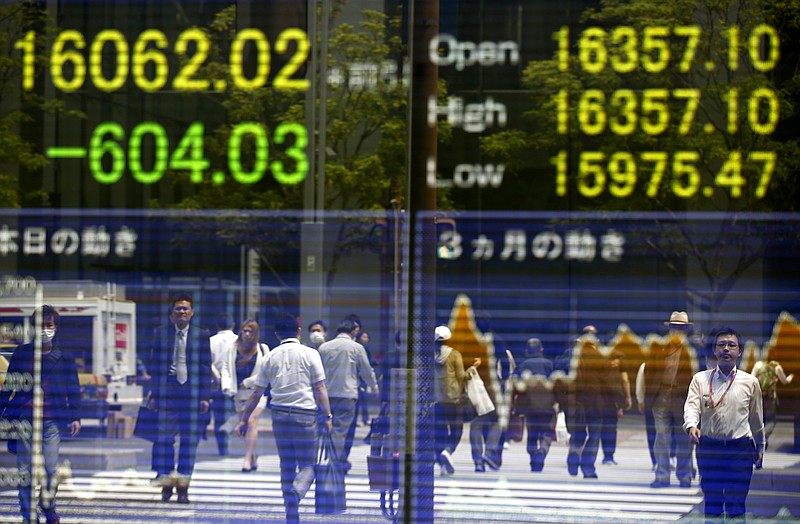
(580, 192)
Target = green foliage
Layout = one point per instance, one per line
(20, 156)
(544, 80)
(722, 259)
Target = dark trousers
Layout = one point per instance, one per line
(650, 428)
(540, 426)
(449, 426)
(608, 433)
(584, 425)
(295, 435)
(726, 467)
(179, 417)
(221, 409)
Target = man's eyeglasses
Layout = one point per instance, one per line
(727, 344)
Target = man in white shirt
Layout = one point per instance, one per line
(723, 416)
(296, 379)
(221, 405)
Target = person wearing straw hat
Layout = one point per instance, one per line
(667, 378)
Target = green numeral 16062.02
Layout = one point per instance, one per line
(189, 155)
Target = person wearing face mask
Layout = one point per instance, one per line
(317, 333)
(60, 409)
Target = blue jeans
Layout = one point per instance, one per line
(296, 439)
(51, 439)
(484, 437)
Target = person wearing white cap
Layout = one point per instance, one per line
(450, 380)
(667, 381)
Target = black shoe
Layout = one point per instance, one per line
(166, 494)
(479, 467)
(590, 475)
(659, 484)
(686, 484)
(183, 495)
(493, 462)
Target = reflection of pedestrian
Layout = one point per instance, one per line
(722, 415)
(364, 395)
(450, 377)
(60, 407)
(534, 400)
(345, 363)
(297, 399)
(615, 402)
(584, 411)
(180, 390)
(241, 365)
(769, 374)
(220, 403)
(666, 379)
(317, 333)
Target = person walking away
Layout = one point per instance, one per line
(296, 379)
(769, 374)
(60, 410)
(584, 409)
(180, 390)
(534, 400)
(723, 417)
(616, 401)
(241, 365)
(666, 380)
(450, 378)
(221, 405)
(345, 362)
(365, 396)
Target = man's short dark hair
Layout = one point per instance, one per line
(320, 322)
(286, 326)
(346, 326)
(355, 318)
(717, 332)
(180, 297)
(223, 321)
(48, 311)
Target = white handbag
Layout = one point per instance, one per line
(476, 392)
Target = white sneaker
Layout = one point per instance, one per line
(447, 462)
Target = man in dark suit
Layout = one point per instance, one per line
(180, 366)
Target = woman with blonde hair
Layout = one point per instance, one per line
(239, 371)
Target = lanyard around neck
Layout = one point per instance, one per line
(711, 404)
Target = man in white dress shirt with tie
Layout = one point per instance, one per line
(723, 416)
(180, 388)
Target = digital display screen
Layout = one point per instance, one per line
(515, 170)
